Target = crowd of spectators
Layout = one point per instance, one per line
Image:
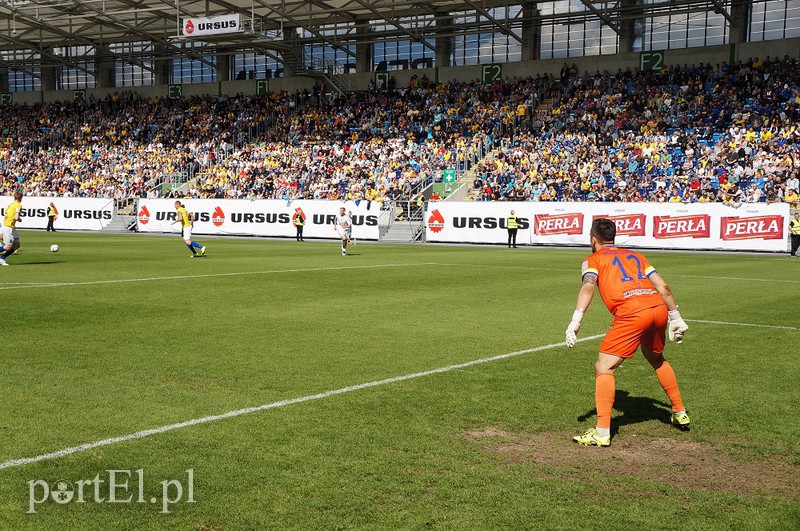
(682, 134)
(115, 146)
(373, 145)
(699, 133)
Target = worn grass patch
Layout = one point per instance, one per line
(669, 461)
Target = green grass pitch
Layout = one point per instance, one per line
(120, 333)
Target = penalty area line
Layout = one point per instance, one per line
(207, 275)
(576, 271)
(282, 403)
(754, 325)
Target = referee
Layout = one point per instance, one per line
(794, 230)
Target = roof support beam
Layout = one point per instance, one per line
(45, 53)
(397, 24)
(314, 32)
(605, 18)
(13, 66)
(161, 40)
(500, 25)
(40, 24)
(722, 11)
(65, 34)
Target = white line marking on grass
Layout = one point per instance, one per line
(576, 270)
(209, 275)
(27, 283)
(212, 418)
(754, 325)
(770, 280)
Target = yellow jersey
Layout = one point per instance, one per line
(184, 217)
(11, 214)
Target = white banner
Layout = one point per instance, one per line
(195, 26)
(750, 227)
(266, 217)
(72, 213)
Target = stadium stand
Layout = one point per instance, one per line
(684, 133)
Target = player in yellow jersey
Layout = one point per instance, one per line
(186, 221)
(10, 236)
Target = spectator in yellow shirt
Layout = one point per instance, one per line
(792, 198)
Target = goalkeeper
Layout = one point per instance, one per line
(643, 307)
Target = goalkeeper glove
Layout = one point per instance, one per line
(677, 326)
(574, 326)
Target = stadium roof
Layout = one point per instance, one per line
(39, 26)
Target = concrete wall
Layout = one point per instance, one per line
(790, 47)
(610, 63)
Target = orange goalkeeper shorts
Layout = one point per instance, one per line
(647, 327)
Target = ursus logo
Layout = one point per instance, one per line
(188, 28)
(436, 221)
(144, 215)
(218, 217)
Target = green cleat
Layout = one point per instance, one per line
(681, 421)
(203, 250)
(591, 438)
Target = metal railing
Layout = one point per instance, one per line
(332, 72)
(412, 213)
(300, 61)
(126, 206)
(169, 181)
(385, 222)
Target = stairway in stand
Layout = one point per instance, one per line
(121, 223)
(403, 231)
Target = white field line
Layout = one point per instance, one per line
(754, 325)
(213, 418)
(745, 279)
(26, 283)
(209, 275)
(577, 272)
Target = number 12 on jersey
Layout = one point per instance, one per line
(631, 258)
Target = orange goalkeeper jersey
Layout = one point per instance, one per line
(623, 280)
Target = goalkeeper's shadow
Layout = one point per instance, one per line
(630, 409)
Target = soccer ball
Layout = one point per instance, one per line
(54, 248)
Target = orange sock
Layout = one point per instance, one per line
(604, 391)
(666, 377)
